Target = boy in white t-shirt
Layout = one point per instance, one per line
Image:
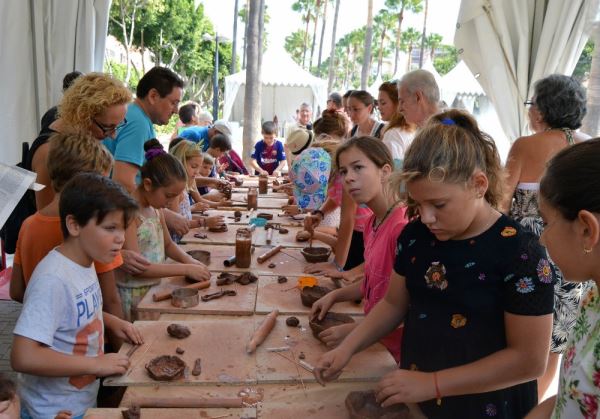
(59, 337)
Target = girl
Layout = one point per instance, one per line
(191, 158)
(365, 166)
(475, 291)
(570, 206)
(163, 181)
(360, 109)
(398, 133)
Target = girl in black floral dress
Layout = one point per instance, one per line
(475, 291)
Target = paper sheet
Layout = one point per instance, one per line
(14, 182)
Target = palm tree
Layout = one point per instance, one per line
(433, 41)
(410, 37)
(400, 6)
(316, 13)
(332, 63)
(364, 75)
(591, 122)
(253, 89)
(325, 4)
(384, 21)
(304, 6)
(424, 34)
(294, 45)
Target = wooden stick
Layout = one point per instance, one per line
(165, 295)
(268, 255)
(186, 402)
(298, 372)
(262, 332)
(299, 364)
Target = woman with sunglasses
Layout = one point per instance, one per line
(555, 113)
(95, 104)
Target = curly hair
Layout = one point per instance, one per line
(88, 97)
(561, 101)
(449, 148)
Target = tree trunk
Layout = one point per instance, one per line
(252, 98)
(398, 38)
(314, 40)
(332, 52)
(591, 122)
(245, 37)
(409, 61)
(423, 35)
(364, 75)
(321, 40)
(234, 43)
(380, 59)
(305, 39)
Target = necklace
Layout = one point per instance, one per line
(376, 224)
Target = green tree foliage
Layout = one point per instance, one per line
(446, 59)
(294, 45)
(582, 69)
(432, 42)
(410, 38)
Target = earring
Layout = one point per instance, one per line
(479, 195)
(587, 251)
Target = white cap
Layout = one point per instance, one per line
(223, 127)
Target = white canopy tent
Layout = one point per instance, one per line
(42, 40)
(511, 44)
(285, 85)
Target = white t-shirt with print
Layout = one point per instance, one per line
(62, 309)
(397, 141)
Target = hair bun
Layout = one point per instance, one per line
(153, 143)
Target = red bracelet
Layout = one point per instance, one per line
(438, 395)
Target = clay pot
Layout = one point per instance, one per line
(309, 295)
(330, 320)
(166, 368)
(316, 254)
(200, 255)
(362, 405)
(185, 297)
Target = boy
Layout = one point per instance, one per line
(57, 343)
(10, 405)
(68, 155)
(268, 157)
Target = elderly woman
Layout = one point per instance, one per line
(555, 113)
(95, 104)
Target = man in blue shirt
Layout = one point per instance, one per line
(203, 135)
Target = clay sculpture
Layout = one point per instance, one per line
(316, 254)
(362, 405)
(220, 229)
(227, 278)
(218, 294)
(292, 321)
(309, 295)
(166, 368)
(330, 320)
(178, 331)
(200, 255)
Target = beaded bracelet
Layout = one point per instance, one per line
(438, 395)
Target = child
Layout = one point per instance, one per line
(191, 158)
(10, 404)
(68, 155)
(474, 290)
(570, 206)
(163, 180)
(365, 166)
(268, 157)
(58, 338)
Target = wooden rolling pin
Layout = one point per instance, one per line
(266, 256)
(262, 332)
(165, 295)
(187, 401)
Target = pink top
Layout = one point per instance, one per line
(380, 253)
(362, 214)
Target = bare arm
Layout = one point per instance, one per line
(39, 165)
(255, 166)
(543, 410)
(171, 249)
(17, 283)
(125, 173)
(513, 171)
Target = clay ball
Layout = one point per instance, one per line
(292, 321)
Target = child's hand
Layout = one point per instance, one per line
(311, 222)
(291, 209)
(321, 268)
(333, 336)
(322, 305)
(214, 222)
(277, 173)
(64, 414)
(221, 168)
(263, 172)
(197, 272)
(127, 331)
(199, 207)
(404, 386)
(111, 364)
(330, 364)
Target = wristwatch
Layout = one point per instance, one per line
(318, 212)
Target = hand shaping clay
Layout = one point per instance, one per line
(309, 295)
(362, 405)
(330, 320)
(166, 368)
(178, 331)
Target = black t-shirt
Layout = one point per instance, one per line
(459, 291)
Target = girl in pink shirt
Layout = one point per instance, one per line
(365, 165)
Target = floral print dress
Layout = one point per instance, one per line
(459, 292)
(310, 175)
(579, 384)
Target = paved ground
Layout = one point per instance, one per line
(9, 312)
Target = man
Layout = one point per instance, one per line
(305, 116)
(158, 95)
(202, 135)
(418, 96)
(334, 102)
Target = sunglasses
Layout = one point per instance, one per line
(109, 130)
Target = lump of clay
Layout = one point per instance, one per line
(180, 351)
(363, 405)
(281, 279)
(197, 367)
(246, 278)
(302, 236)
(166, 368)
(237, 214)
(330, 320)
(272, 265)
(227, 278)
(133, 412)
(309, 295)
(292, 321)
(220, 229)
(178, 331)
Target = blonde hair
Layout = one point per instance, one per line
(70, 154)
(184, 151)
(449, 148)
(208, 159)
(88, 97)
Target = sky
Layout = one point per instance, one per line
(441, 19)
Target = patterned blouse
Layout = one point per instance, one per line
(579, 384)
(310, 174)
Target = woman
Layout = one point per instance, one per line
(360, 108)
(95, 104)
(398, 134)
(555, 112)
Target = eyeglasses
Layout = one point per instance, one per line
(110, 130)
(529, 103)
